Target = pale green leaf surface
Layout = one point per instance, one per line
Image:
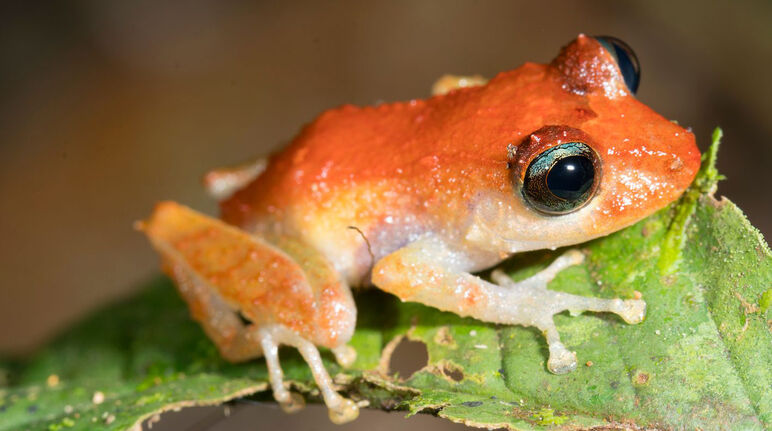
(701, 359)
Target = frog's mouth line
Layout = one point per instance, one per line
(497, 241)
(494, 233)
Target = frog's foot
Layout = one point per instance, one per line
(341, 409)
(345, 355)
(447, 83)
(222, 182)
(428, 271)
(544, 304)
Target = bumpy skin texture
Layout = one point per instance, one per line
(412, 197)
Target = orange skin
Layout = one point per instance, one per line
(412, 197)
(429, 159)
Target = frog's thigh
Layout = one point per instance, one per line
(233, 339)
(222, 182)
(265, 283)
(427, 271)
(336, 311)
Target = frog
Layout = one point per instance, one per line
(416, 197)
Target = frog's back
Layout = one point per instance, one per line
(371, 162)
(349, 153)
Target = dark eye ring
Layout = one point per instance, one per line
(562, 179)
(625, 58)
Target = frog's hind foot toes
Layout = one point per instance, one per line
(344, 412)
(572, 257)
(293, 404)
(271, 336)
(345, 355)
(223, 182)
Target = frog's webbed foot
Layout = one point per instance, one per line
(447, 83)
(345, 355)
(222, 182)
(341, 409)
(544, 304)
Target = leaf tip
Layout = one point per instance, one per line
(547, 416)
(708, 176)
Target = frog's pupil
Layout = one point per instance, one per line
(571, 177)
(561, 179)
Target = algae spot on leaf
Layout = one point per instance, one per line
(547, 416)
(766, 300)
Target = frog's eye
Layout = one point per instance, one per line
(625, 58)
(561, 179)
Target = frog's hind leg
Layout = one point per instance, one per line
(238, 342)
(233, 338)
(222, 182)
(220, 269)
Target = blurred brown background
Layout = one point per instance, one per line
(107, 106)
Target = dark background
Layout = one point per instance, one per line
(107, 106)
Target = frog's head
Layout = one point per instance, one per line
(585, 176)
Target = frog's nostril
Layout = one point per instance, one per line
(625, 58)
(677, 164)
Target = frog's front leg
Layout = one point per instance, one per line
(430, 272)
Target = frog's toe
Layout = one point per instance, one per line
(271, 336)
(345, 411)
(345, 355)
(294, 404)
(573, 257)
(633, 310)
(561, 360)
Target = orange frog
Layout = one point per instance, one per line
(413, 197)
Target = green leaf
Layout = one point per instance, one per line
(700, 360)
